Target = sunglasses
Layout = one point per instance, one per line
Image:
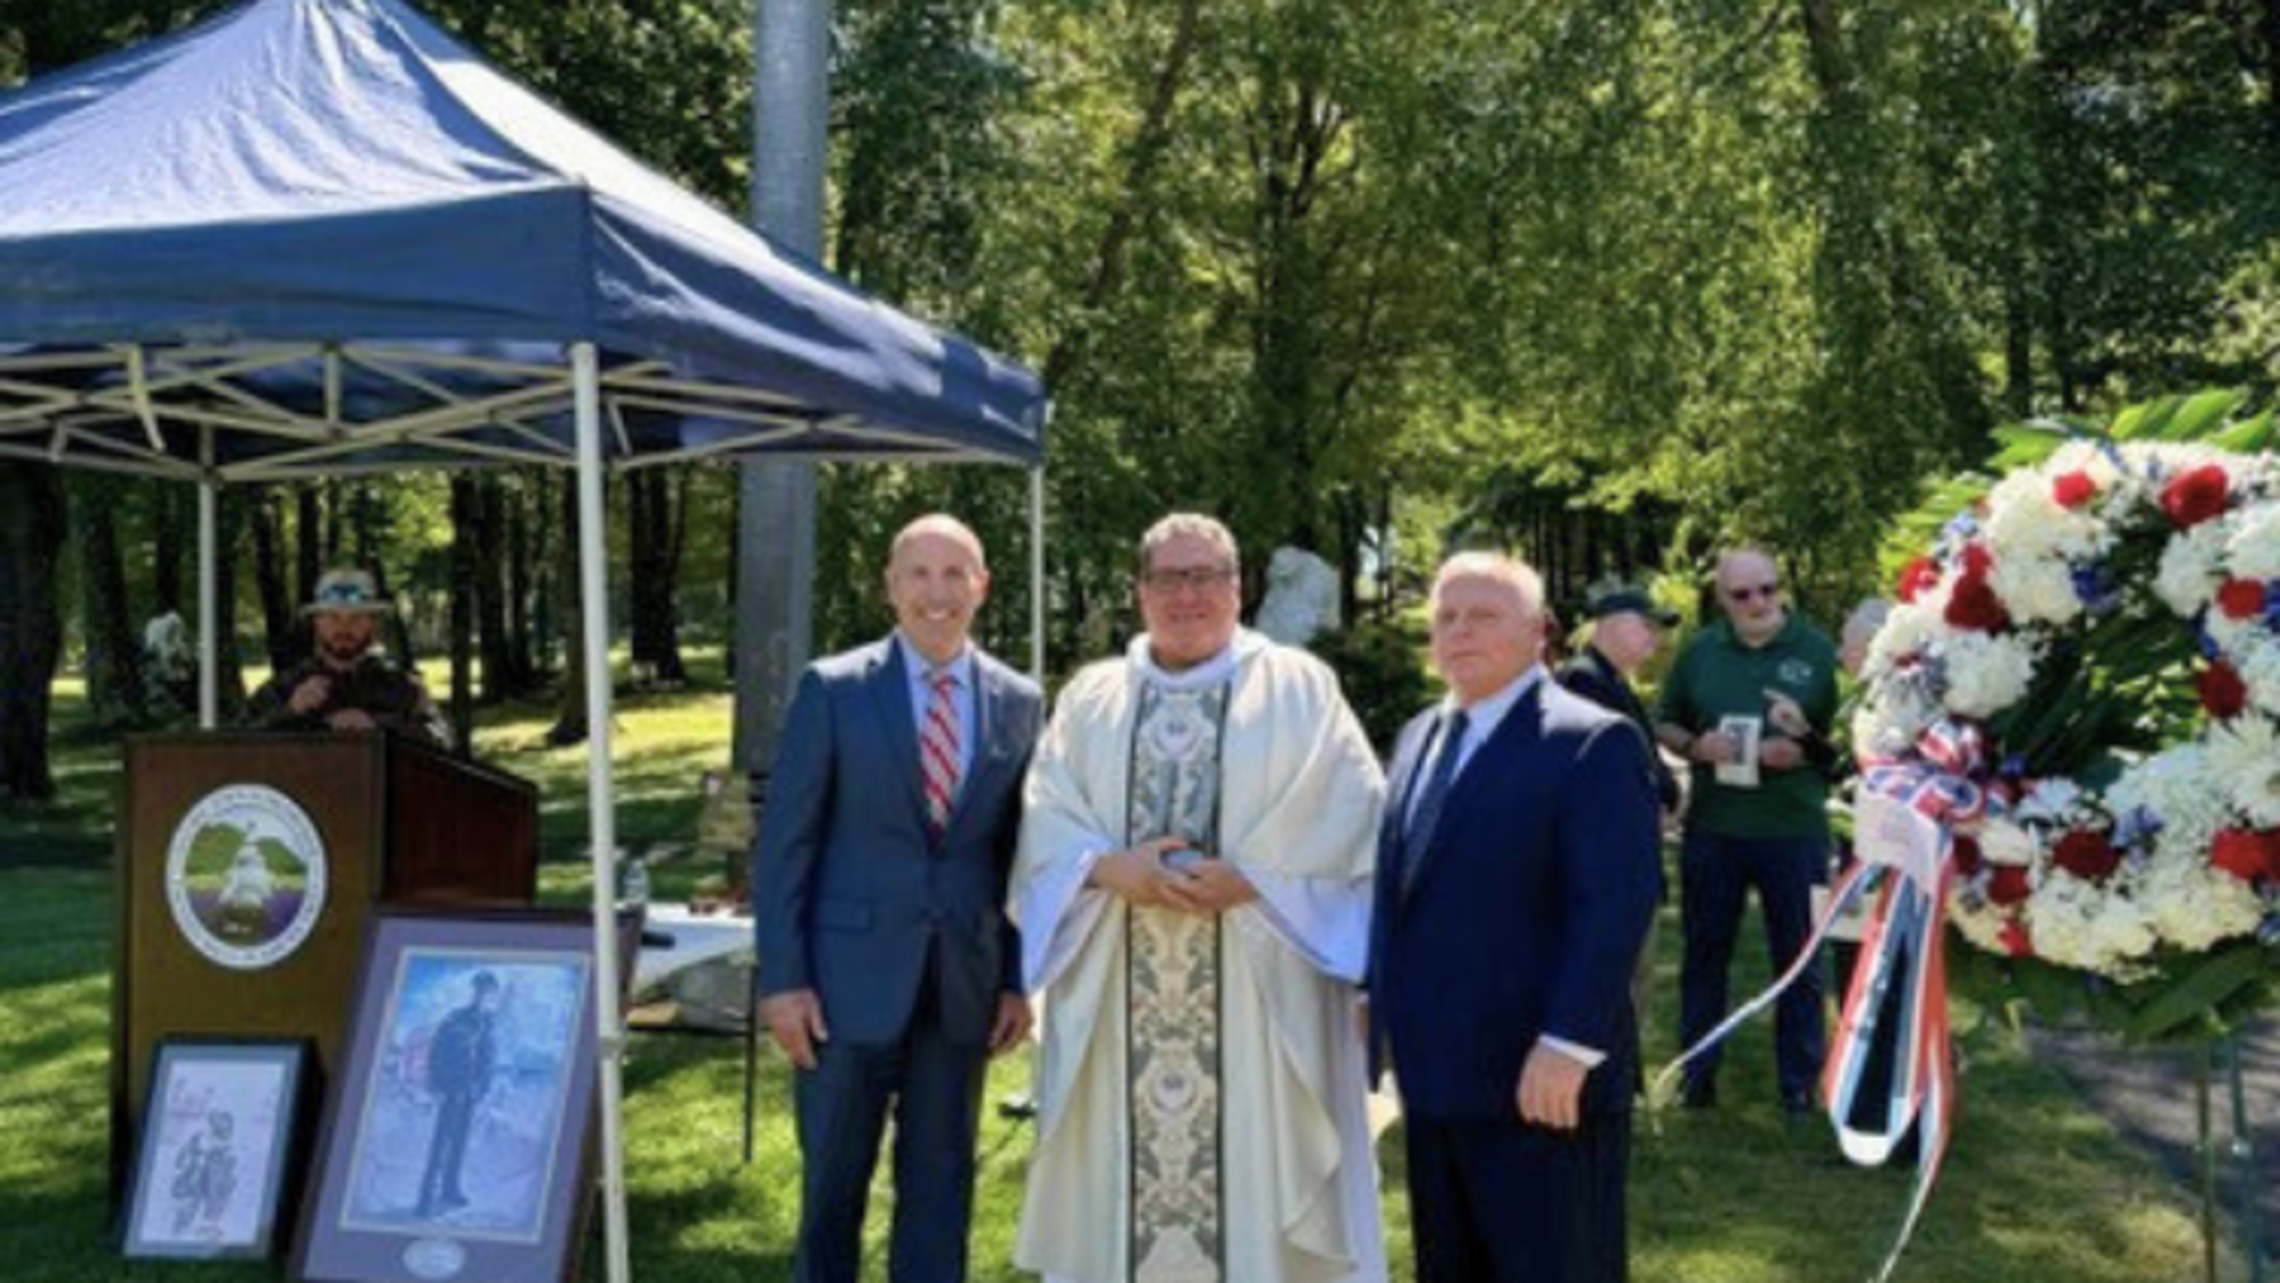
(1767, 591)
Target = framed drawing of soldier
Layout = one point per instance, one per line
(220, 1155)
(456, 1138)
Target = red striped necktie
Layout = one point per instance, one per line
(938, 750)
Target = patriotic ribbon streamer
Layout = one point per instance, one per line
(1904, 841)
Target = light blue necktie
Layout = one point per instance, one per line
(1418, 833)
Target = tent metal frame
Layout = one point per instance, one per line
(156, 396)
(169, 397)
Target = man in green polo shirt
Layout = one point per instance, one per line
(1757, 815)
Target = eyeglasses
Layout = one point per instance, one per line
(1200, 578)
(1739, 595)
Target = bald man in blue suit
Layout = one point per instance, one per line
(1518, 867)
(889, 972)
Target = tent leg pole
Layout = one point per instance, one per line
(593, 577)
(209, 589)
(1037, 574)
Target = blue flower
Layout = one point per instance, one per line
(2269, 932)
(2201, 638)
(2136, 828)
(2014, 767)
(2272, 605)
(2095, 588)
(1962, 527)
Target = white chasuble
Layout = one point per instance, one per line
(1201, 1086)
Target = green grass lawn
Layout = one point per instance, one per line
(2037, 1190)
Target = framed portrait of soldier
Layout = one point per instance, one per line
(220, 1154)
(456, 1140)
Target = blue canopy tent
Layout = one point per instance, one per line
(321, 237)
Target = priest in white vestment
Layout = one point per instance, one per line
(1193, 889)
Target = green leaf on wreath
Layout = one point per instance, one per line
(2219, 977)
(2249, 436)
(2144, 420)
(2027, 444)
(2201, 413)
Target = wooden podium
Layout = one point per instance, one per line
(248, 864)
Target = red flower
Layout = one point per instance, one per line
(2193, 497)
(2241, 599)
(2008, 885)
(1977, 561)
(2017, 940)
(2247, 856)
(2086, 854)
(1974, 605)
(1967, 858)
(1921, 576)
(2223, 693)
(2073, 489)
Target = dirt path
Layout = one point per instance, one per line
(2150, 1096)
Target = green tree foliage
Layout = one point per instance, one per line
(1614, 282)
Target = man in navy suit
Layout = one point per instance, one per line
(1517, 870)
(889, 973)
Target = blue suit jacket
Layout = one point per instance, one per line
(1527, 913)
(850, 895)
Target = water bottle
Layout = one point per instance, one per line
(634, 881)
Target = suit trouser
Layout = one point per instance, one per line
(1715, 875)
(1503, 1202)
(932, 1085)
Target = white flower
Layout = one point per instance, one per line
(2024, 521)
(2259, 666)
(2002, 842)
(2253, 552)
(1907, 631)
(2085, 457)
(2244, 760)
(2035, 590)
(2235, 638)
(2194, 905)
(1889, 728)
(2174, 786)
(1985, 673)
(2076, 924)
(2054, 802)
(2190, 571)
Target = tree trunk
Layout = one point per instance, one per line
(519, 590)
(462, 610)
(308, 535)
(32, 513)
(546, 579)
(106, 620)
(171, 509)
(654, 548)
(570, 727)
(501, 680)
(229, 677)
(281, 623)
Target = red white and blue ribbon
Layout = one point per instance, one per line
(1904, 847)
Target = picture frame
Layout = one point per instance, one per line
(222, 1149)
(458, 1137)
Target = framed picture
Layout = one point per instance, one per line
(220, 1153)
(457, 1138)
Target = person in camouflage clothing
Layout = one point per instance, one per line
(345, 684)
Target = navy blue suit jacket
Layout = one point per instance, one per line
(850, 895)
(1526, 914)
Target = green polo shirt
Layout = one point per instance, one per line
(1717, 676)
